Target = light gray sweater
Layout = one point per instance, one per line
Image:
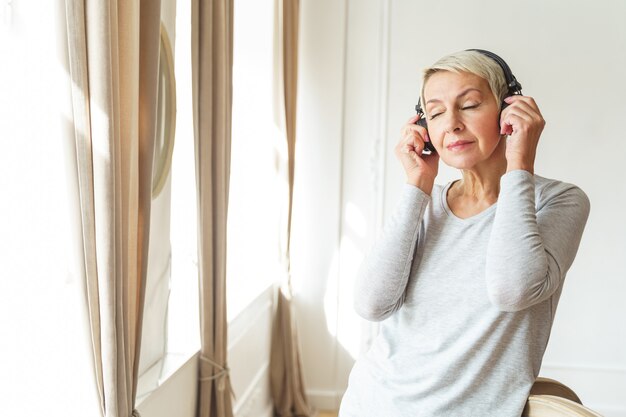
(467, 304)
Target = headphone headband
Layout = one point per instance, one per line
(514, 87)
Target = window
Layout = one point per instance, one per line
(171, 317)
(256, 193)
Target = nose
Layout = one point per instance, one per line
(453, 122)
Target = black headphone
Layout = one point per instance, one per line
(514, 88)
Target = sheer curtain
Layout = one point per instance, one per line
(113, 54)
(287, 382)
(212, 63)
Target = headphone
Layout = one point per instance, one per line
(513, 88)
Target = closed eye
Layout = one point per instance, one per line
(470, 107)
(473, 106)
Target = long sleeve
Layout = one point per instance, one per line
(532, 246)
(384, 274)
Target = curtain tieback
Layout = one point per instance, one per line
(220, 375)
(136, 413)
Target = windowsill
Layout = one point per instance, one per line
(160, 372)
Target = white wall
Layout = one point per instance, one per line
(317, 194)
(249, 335)
(359, 81)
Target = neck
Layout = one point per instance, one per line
(482, 182)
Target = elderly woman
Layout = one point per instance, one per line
(466, 276)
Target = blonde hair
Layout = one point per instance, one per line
(472, 62)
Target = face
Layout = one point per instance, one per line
(463, 118)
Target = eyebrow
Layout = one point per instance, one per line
(461, 94)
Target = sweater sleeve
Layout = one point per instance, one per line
(383, 276)
(531, 248)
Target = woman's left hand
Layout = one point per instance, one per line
(523, 122)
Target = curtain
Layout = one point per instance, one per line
(113, 54)
(212, 61)
(287, 384)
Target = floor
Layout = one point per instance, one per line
(327, 414)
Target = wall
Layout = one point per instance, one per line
(359, 82)
(248, 356)
(317, 194)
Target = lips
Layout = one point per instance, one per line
(459, 145)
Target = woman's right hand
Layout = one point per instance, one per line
(420, 169)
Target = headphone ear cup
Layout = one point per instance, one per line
(503, 106)
(428, 147)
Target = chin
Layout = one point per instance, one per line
(460, 161)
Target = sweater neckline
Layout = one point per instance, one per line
(472, 219)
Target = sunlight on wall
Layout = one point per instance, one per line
(342, 322)
(349, 326)
(331, 296)
(355, 220)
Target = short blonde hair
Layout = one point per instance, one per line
(473, 62)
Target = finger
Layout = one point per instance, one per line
(410, 141)
(413, 119)
(422, 131)
(418, 146)
(519, 98)
(412, 134)
(408, 151)
(415, 140)
(527, 108)
(404, 147)
(506, 128)
(524, 101)
(522, 113)
(510, 123)
(408, 147)
(414, 125)
(514, 122)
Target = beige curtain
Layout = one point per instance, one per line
(287, 384)
(212, 61)
(113, 54)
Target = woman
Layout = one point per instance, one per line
(466, 276)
